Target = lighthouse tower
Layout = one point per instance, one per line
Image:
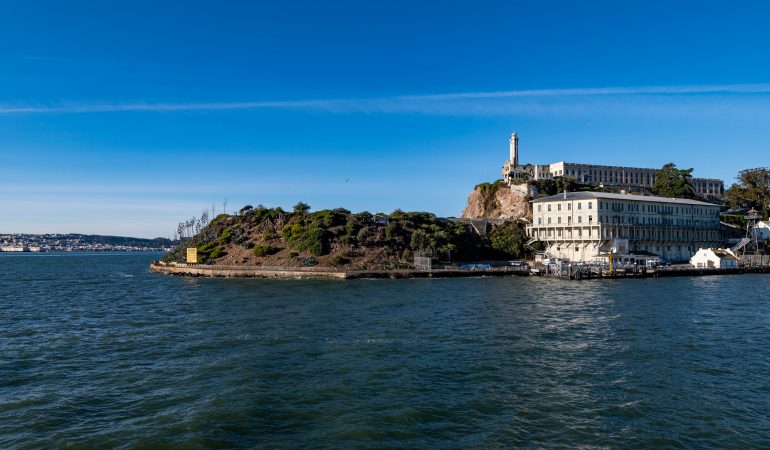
(514, 142)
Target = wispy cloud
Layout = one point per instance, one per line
(46, 58)
(532, 101)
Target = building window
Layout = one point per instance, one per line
(579, 205)
(549, 220)
(558, 220)
(549, 207)
(558, 207)
(569, 206)
(539, 220)
(590, 205)
(580, 219)
(539, 208)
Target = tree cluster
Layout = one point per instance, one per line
(751, 191)
(673, 182)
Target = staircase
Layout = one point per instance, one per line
(742, 243)
(543, 254)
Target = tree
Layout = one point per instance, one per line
(751, 191)
(673, 182)
(301, 208)
(509, 239)
(245, 210)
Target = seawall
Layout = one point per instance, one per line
(203, 270)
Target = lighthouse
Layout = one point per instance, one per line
(514, 142)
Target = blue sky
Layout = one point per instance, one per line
(127, 118)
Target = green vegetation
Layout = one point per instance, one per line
(734, 219)
(338, 260)
(672, 182)
(509, 240)
(553, 186)
(210, 251)
(337, 237)
(751, 191)
(219, 217)
(263, 249)
(490, 188)
(301, 208)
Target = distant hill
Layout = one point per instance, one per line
(122, 240)
(85, 242)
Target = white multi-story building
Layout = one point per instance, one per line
(629, 178)
(583, 226)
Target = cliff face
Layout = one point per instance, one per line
(498, 201)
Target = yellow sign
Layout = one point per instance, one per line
(192, 255)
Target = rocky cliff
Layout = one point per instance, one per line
(497, 200)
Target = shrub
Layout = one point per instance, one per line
(288, 232)
(269, 235)
(363, 235)
(226, 236)
(293, 254)
(217, 253)
(338, 260)
(352, 226)
(264, 250)
(219, 217)
(313, 239)
(391, 230)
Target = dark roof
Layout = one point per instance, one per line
(629, 197)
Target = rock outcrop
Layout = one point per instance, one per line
(498, 200)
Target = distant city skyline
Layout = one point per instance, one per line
(125, 119)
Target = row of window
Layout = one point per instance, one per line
(633, 207)
(631, 221)
(647, 234)
(569, 206)
(569, 220)
(613, 176)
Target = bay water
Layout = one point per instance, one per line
(97, 352)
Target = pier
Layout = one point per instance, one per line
(572, 271)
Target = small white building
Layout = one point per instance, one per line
(762, 230)
(714, 258)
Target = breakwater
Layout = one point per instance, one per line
(223, 271)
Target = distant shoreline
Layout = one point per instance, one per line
(80, 252)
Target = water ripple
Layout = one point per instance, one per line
(97, 352)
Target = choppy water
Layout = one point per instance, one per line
(97, 352)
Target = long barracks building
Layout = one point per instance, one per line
(629, 178)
